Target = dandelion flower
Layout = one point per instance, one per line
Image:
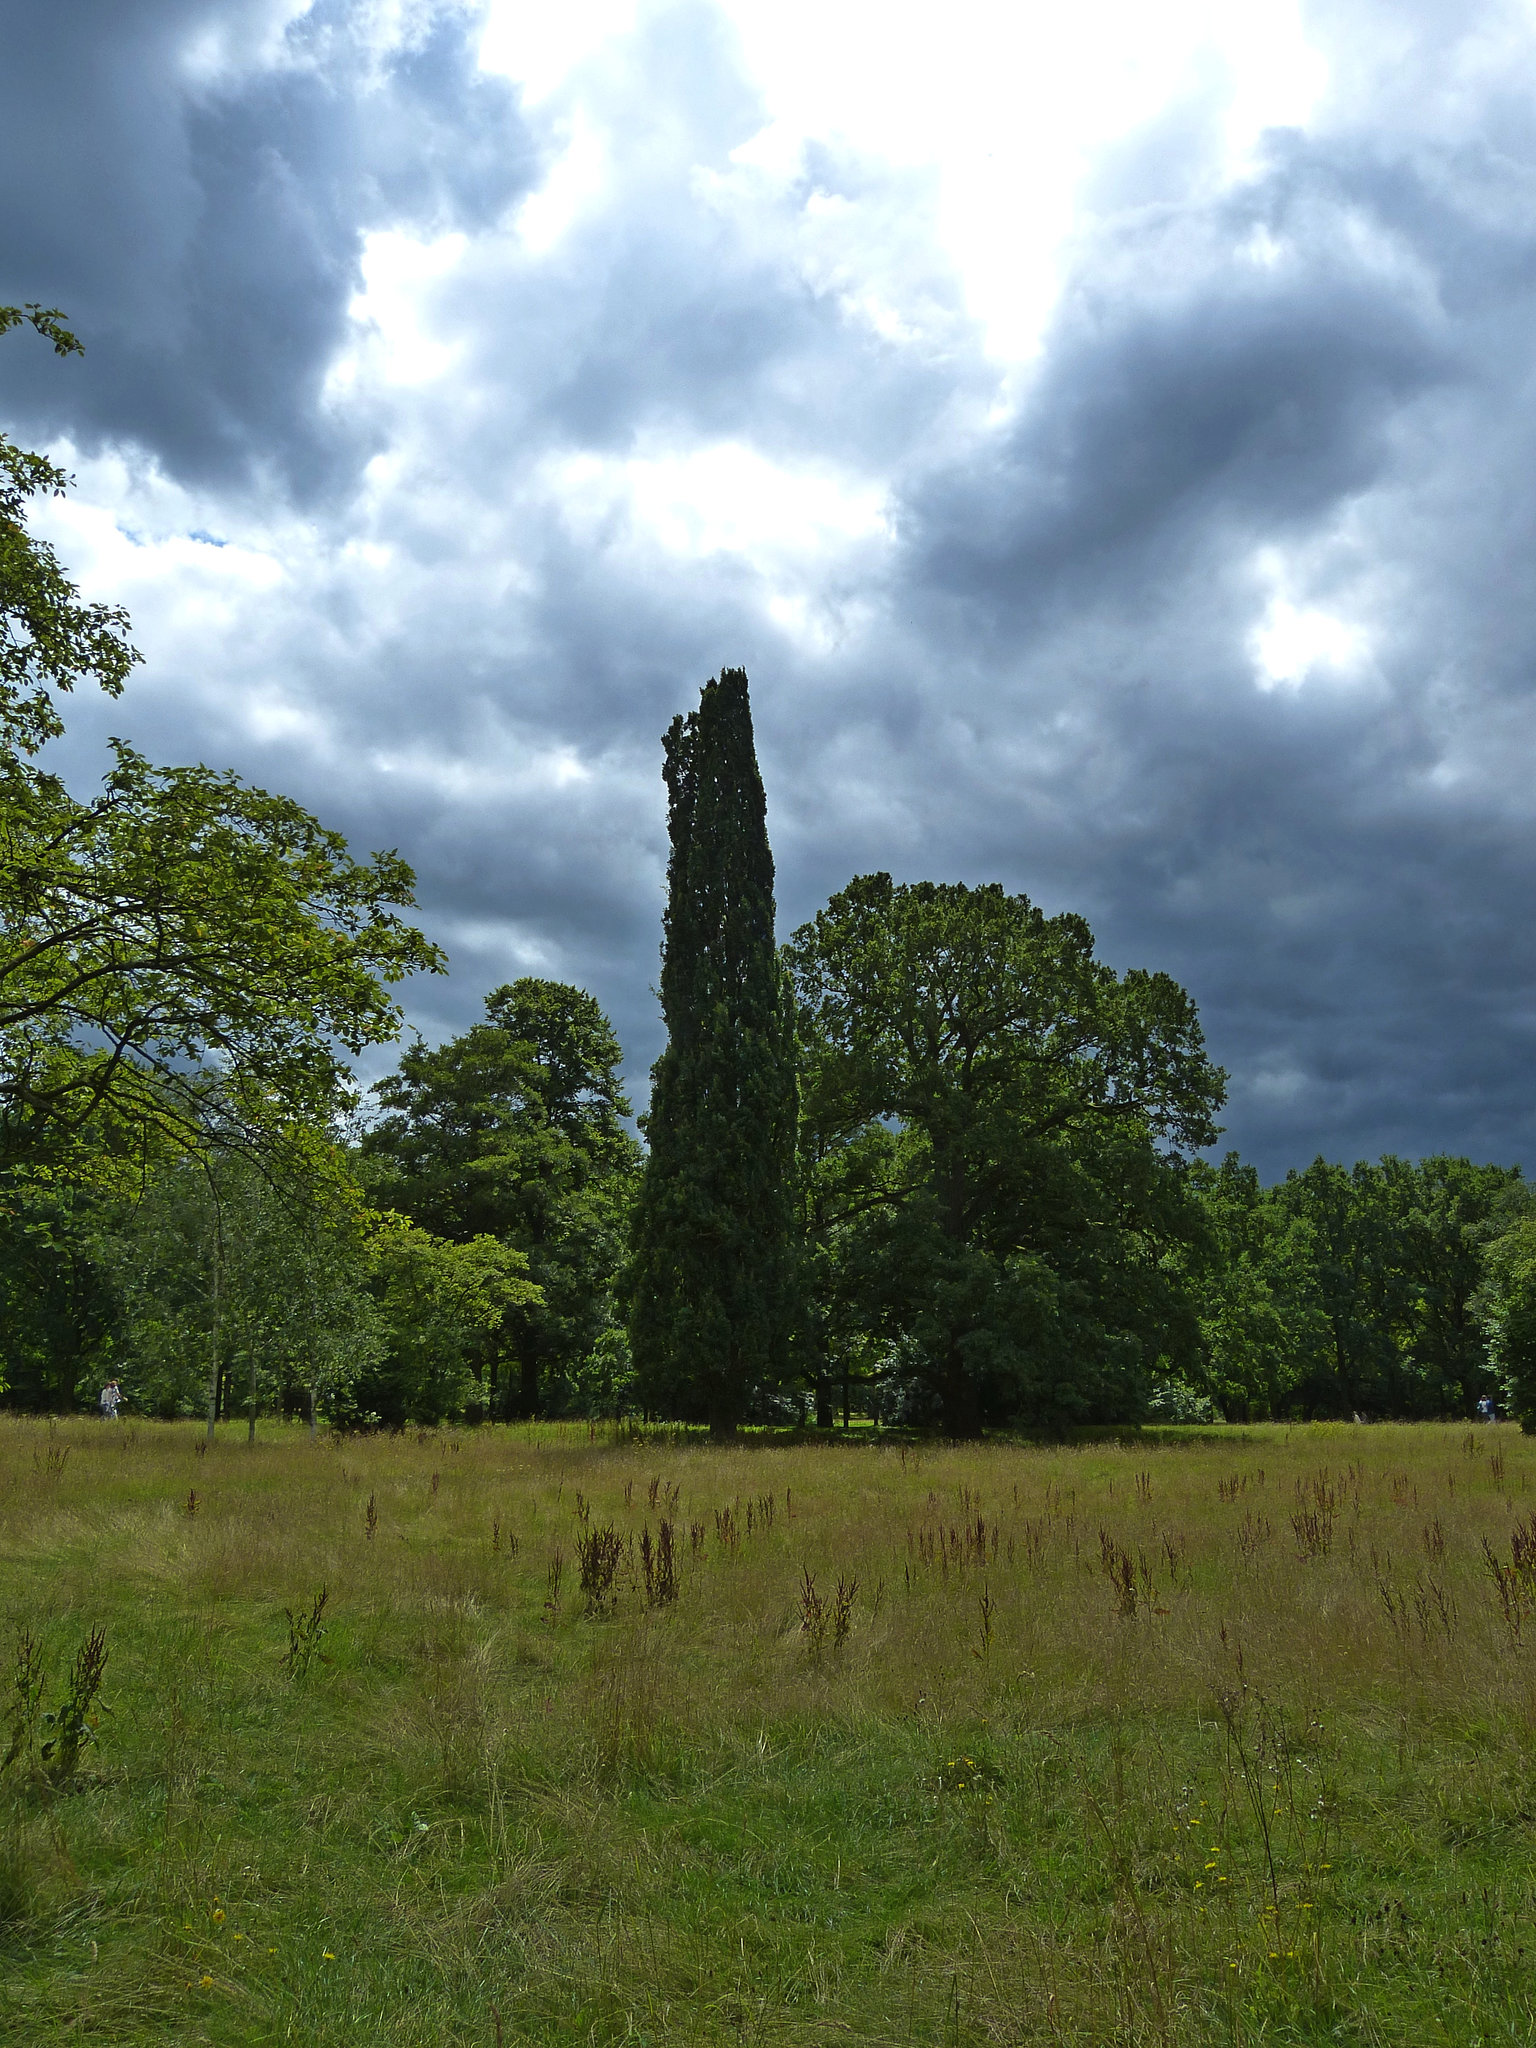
(218, 1916)
(206, 1981)
(328, 1957)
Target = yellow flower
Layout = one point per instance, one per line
(206, 1981)
(328, 1957)
(239, 1937)
(218, 1916)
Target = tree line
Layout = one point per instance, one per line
(929, 1159)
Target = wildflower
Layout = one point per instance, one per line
(218, 1916)
(328, 1957)
(206, 1981)
(239, 1937)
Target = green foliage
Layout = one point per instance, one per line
(240, 1292)
(437, 1300)
(58, 1300)
(1506, 1308)
(991, 1140)
(175, 917)
(49, 640)
(1351, 1290)
(1255, 1283)
(73, 1723)
(515, 1131)
(712, 1281)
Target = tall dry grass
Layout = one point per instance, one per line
(1224, 1736)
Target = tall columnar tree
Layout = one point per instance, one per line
(712, 1279)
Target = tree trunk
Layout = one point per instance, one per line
(959, 1400)
(528, 1384)
(826, 1415)
(218, 1335)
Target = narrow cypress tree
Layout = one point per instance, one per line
(712, 1276)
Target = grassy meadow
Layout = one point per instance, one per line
(1222, 1736)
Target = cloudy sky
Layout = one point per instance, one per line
(1104, 434)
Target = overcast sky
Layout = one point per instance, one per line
(1104, 434)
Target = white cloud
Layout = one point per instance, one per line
(726, 498)
(1008, 103)
(1296, 641)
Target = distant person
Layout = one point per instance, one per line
(1485, 1409)
(111, 1400)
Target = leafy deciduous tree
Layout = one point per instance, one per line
(175, 918)
(514, 1130)
(997, 1121)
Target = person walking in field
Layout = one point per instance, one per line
(111, 1397)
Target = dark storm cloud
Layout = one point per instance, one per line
(1335, 361)
(201, 221)
(1308, 391)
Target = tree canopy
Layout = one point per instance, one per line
(176, 917)
(515, 1131)
(996, 1124)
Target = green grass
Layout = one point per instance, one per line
(485, 1816)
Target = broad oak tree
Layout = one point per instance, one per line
(993, 1131)
(712, 1281)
